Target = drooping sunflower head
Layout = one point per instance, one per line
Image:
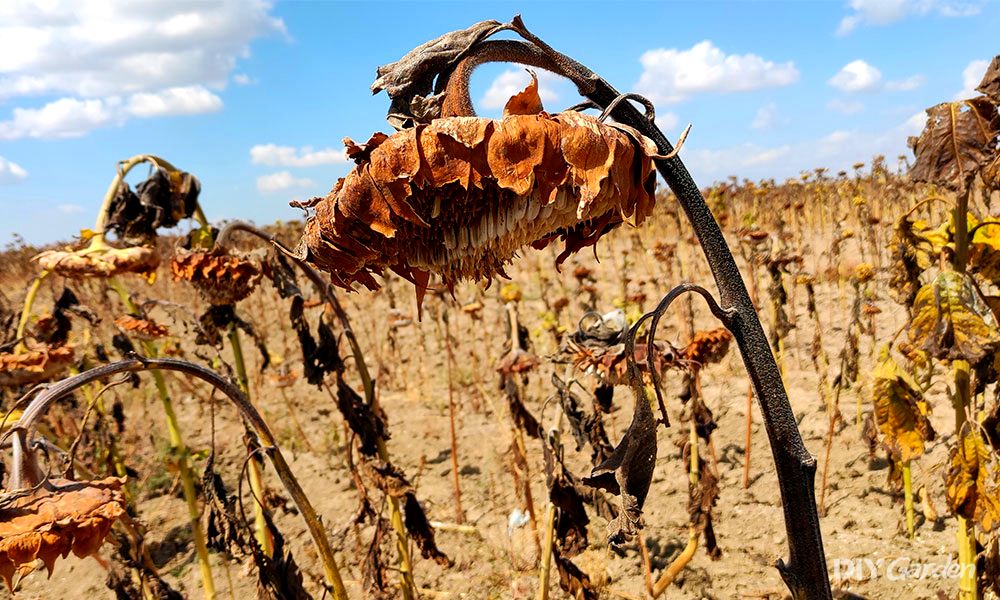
(458, 197)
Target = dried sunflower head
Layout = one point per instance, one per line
(166, 197)
(144, 328)
(459, 196)
(708, 346)
(102, 262)
(33, 366)
(222, 279)
(50, 520)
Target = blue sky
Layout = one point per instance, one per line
(254, 97)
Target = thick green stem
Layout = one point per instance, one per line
(261, 530)
(180, 452)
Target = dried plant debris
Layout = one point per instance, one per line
(628, 472)
(222, 279)
(952, 321)
(366, 422)
(571, 515)
(54, 328)
(587, 429)
(391, 480)
(143, 328)
(56, 517)
(163, 199)
(318, 358)
(102, 262)
(459, 196)
(32, 366)
(902, 414)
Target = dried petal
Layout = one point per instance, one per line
(33, 366)
(222, 279)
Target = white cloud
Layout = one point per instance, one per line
(766, 117)
(280, 181)
(243, 79)
(848, 107)
(885, 12)
(273, 155)
(672, 75)
(905, 85)
(513, 81)
(11, 172)
(857, 76)
(666, 121)
(972, 76)
(63, 118)
(96, 48)
(112, 60)
(189, 100)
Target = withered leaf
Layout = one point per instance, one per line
(952, 321)
(629, 471)
(900, 411)
(391, 480)
(587, 429)
(572, 580)
(410, 80)
(519, 412)
(571, 515)
(973, 488)
(990, 85)
(363, 420)
(958, 140)
(320, 358)
(165, 198)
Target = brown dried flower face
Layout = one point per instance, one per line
(105, 262)
(222, 279)
(461, 195)
(33, 366)
(708, 346)
(57, 517)
(145, 328)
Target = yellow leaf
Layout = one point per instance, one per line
(952, 321)
(972, 487)
(900, 411)
(86, 234)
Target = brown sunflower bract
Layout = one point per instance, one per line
(459, 196)
(59, 516)
(222, 279)
(33, 366)
(104, 263)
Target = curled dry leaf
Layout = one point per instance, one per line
(33, 366)
(391, 480)
(915, 247)
(460, 196)
(222, 279)
(144, 328)
(900, 411)
(106, 262)
(958, 140)
(952, 321)
(55, 518)
(166, 197)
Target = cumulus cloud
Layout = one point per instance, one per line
(857, 76)
(281, 181)
(906, 85)
(766, 117)
(972, 75)
(512, 81)
(885, 12)
(11, 172)
(672, 75)
(273, 155)
(190, 100)
(108, 61)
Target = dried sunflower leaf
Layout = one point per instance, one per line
(958, 140)
(900, 411)
(952, 321)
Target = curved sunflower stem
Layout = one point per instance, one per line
(32, 413)
(29, 301)
(908, 497)
(261, 530)
(180, 452)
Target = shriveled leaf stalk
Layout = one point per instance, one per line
(408, 586)
(24, 460)
(178, 449)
